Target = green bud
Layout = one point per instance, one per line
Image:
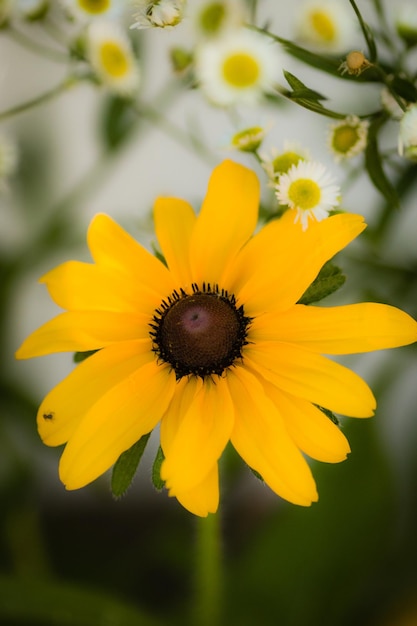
(181, 59)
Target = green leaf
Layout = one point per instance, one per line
(373, 163)
(326, 64)
(300, 90)
(126, 466)
(158, 483)
(118, 121)
(308, 99)
(35, 602)
(81, 356)
(404, 88)
(329, 280)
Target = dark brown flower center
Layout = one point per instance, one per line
(202, 333)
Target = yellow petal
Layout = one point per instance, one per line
(312, 432)
(112, 247)
(346, 329)
(313, 377)
(227, 219)
(185, 392)
(79, 331)
(200, 439)
(77, 286)
(174, 222)
(115, 422)
(275, 268)
(204, 498)
(261, 439)
(65, 406)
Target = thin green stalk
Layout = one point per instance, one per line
(387, 83)
(175, 132)
(67, 83)
(208, 572)
(39, 48)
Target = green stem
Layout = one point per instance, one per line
(67, 83)
(34, 46)
(175, 132)
(208, 572)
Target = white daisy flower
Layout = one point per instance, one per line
(158, 13)
(279, 162)
(407, 140)
(348, 137)
(216, 16)
(111, 56)
(308, 189)
(9, 157)
(327, 24)
(238, 67)
(87, 10)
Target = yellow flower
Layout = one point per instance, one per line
(213, 346)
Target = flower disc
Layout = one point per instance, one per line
(201, 334)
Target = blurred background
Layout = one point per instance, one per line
(84, 558)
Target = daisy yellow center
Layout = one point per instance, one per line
(323, 25)
(304, 194)
(199, 334)
(345, 138)
(241, 70)
(113, 59)
(283, 162)
(94, 6)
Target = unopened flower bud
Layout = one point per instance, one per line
(249, 140)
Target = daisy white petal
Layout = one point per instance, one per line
(238, 67)
(111, 56)
(348, 137)
(308, 189)
(249, 139)
(157, 13)
(326, 24)
(87, 10)
(276, 163)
